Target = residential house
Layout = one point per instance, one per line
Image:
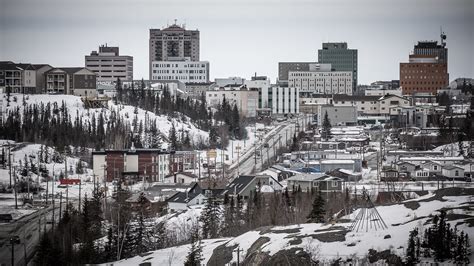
(305, 181)
(245, 185)
(41, 69)
(182, 178)
(389, 174)
(406, 168)
(11, 77)
(432, 167)
(77, 81)
(308, 182)
(182, 201)
(453, 172)
(346, 175)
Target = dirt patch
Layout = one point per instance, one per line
(221, 255)
(295, 241)
(257, 245)
(293, 256)
(413, 205)
(282, 231)
(456, 216)
(331, 236)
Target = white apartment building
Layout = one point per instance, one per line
(109, 65)
(283, 100)
(184, 71)
(322, 82)
(245, 99)
(371, 105)
(262, 84)
(382, 92)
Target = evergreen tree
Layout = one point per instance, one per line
(326, 129)
(210, 218)
(412, 257)
(318, 211)
(194, 257)
(173, 138)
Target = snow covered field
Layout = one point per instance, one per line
(332, 241)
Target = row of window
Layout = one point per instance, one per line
(181, 65)
(422, 83)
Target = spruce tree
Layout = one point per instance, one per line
(318, 211)
(326, 129)
(194, 257)
(412, 257)
(210, 218)
(173, 138)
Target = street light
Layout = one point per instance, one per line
(14, 240)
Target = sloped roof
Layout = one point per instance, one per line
(183, 197)
(238, 184)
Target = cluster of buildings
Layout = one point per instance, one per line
(103, 66)
(426, 166)
(328, 84)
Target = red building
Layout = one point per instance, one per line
(427, 69)
(151, 164)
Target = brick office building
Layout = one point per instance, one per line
(153, 164)
(427, 69)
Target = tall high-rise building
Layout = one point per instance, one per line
(340, 57)
(109, 65)
(173, 43)
(427, 69)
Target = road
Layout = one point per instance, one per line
(278, 137)
(29, 229)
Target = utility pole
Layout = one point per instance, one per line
(238, 250)
(238, 159)
(61, 205)
(79, 197)
(14, 240)
(67, 183)
(10, 162)
(199, 163)
(14, 188)
(53, 198)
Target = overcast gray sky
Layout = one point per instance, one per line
(240, 37)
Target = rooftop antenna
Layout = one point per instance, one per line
(442, 36)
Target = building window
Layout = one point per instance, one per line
(456, 173)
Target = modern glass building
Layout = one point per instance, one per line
(340, 57)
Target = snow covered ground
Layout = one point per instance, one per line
(332, 241)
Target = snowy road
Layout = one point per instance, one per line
(28, 229)
(251, 161)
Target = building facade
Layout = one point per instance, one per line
(173, 43)
(77, 81)
(245, 99)
(283, 100)
(341, 59)
(322, 82)
(183, 71)
(151, 164)
(18, 78)
(338, 115)
(427, 69)
(109, 65)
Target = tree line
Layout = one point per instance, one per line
(440, 242)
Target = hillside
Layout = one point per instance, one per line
(329, 242)
(76, 107)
